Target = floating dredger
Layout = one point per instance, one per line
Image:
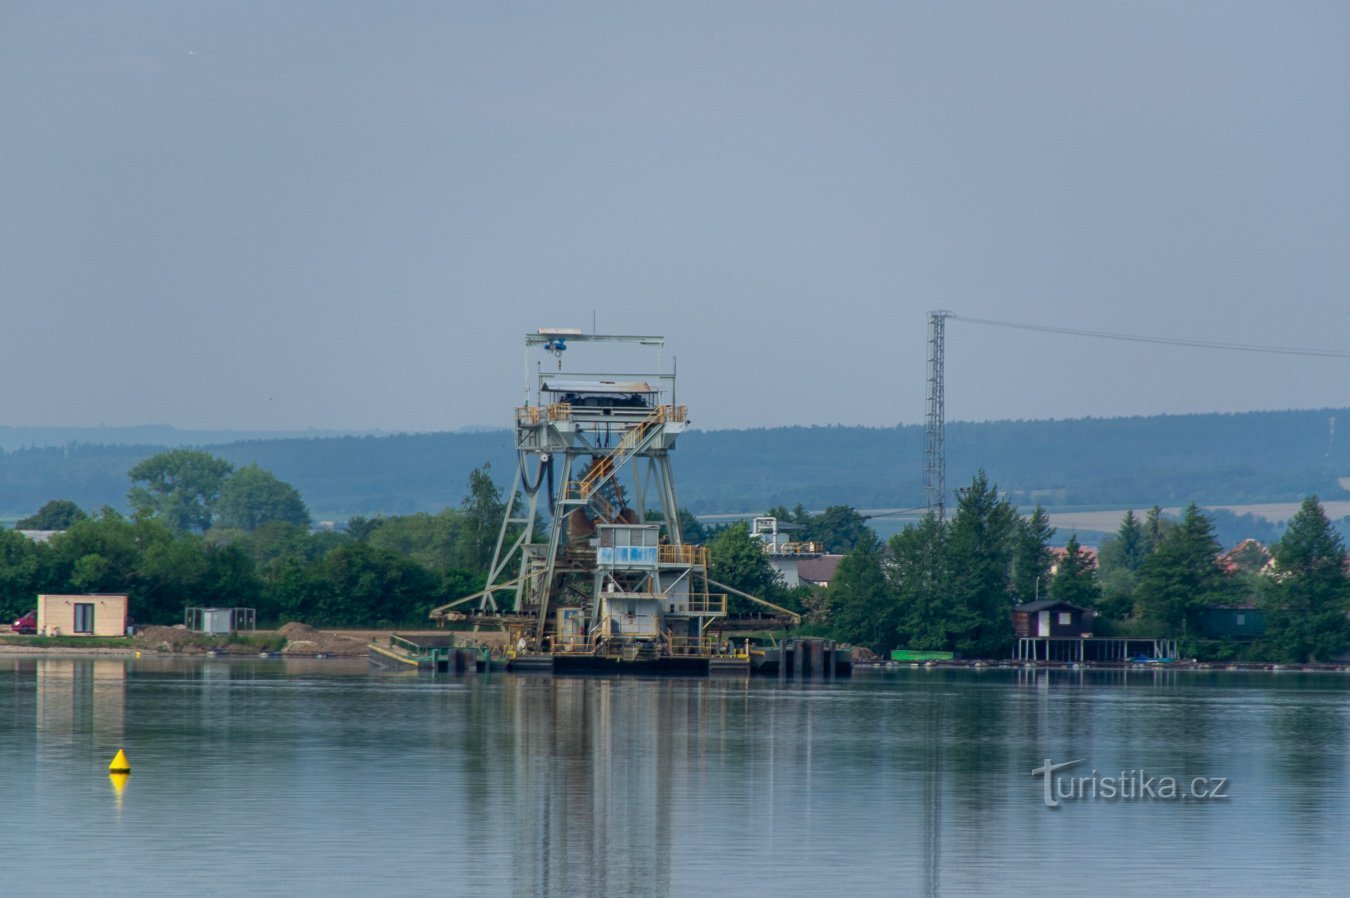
(590, 570)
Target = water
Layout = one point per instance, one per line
(310, 778)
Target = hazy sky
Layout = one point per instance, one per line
(345, 215)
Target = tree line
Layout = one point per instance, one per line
(206, 534)
(951, 584)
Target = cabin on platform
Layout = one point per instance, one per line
(1049, 618)
(1054, 631)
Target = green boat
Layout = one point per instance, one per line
(920, 655)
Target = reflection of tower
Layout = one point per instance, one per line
(932, 802)
(935, 449)
(593, 810)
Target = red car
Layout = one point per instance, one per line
(26, 625)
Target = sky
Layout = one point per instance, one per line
(344, 215)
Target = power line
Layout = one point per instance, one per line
(1166, 341)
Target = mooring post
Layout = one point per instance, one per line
(782, 660)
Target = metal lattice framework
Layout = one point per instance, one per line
(592, 531)
(935, 449)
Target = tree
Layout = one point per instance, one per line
(360, 527)
(433, 541)
(102, 555)
(1181, 577)
(737, 559)
(1118, 563)
(483, 511)
(1125, 549)
(1155, 531)
(838, 528)
(251, 497)
(692, 531)
(979, 551)
(170, 572)
(58, 514)
(1310, 595)
(862, 605)
(20, 573)
(1076, 579)
(362, 585)
(179, 487)
(1031, 555)
(928, 618)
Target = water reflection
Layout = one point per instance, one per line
(79, 701)
(595, 765)
(320, 779)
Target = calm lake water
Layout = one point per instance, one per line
(317, 778)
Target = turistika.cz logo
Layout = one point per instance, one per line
(1129, 785)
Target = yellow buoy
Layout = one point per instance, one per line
(119, 764)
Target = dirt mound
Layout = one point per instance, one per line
(179, 640)
(864, 655)
(302, 639)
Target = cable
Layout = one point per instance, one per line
(1167, 341)
(525, 480)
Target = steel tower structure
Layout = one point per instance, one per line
(589, 564)
(935, 448)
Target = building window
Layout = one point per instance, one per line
(1066, 618)
(1241, 620)
(84, 617)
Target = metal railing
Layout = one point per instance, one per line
(576, 645)
(538, 414)
(628, 445)
(690, 645)
(695, 555)
(707, 603)
(575, 490)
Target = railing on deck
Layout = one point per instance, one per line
(537, 414)
(690, 645)
(576, 645)
(421, 652)
(707, 603)
(694, 555)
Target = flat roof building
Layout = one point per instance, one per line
(82, 615)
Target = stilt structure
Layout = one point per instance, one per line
(590, 569)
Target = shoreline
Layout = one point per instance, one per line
(248, 653)
(291, 640)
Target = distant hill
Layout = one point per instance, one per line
(140, 435)
(1139, 462)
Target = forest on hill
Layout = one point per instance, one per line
(1121, 462)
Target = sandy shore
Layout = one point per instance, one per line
(301, 640)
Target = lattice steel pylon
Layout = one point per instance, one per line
(935, 449)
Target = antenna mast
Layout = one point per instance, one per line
(935, 449)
